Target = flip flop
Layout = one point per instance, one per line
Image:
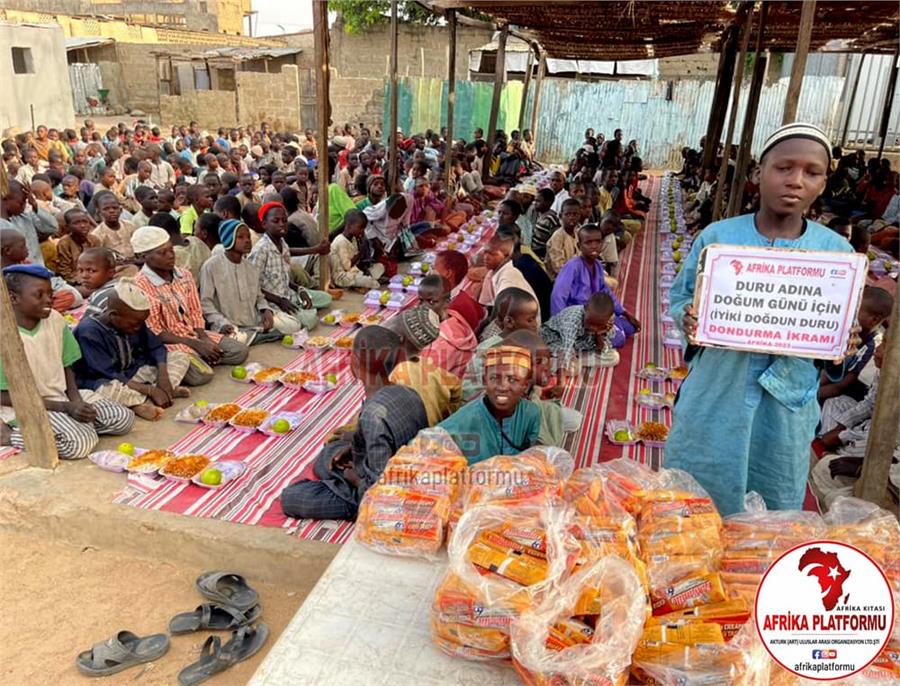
(216, 658)
(213, 616)
(121, 651)
(227, 588)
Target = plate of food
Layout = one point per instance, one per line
(219, 473)
(149, 461)
(295, 379)
(656, 401)
(653, 434)
(219, 415)
(110, 460)
(371, 319)
(620, 432)
(245, 373)
(318, 343)
(268, 376)
(343, 343)
(653, 372)
(185, 467)
(280, 423)
(350, 319)
(323, 384)
(295, 341)
(678, 373)
(194, 413)
(333, 318)
(249, 419)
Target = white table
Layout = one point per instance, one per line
(366, 623)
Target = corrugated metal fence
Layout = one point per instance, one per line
(663, 116)
(86, 82)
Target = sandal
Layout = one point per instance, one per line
(121, 651)
(214, 617)
(227, 588)
(215, 658)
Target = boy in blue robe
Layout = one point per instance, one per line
(744, 421)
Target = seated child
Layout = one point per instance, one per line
(583, 276)
(113, 232)
(456, 342)
(563, 244)
(97, 277)
(502, 422)
(453, 266)
(840, 382)
(73, 244)
(502, 272)
(272, 256)
(148, 199)
(531, 268)
(584, 328)
(190, 251)
(230, 294)
(76, 417)
(391, 416)
(175, 312)
(13, 250)
(513, 309)
(345, 255)
(124, 361)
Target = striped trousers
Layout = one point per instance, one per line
(177, 363)
(74, 439)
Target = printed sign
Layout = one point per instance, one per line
(824, 610)
(778, 301)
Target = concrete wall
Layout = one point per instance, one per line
(47, 89)
(273, 98)
(211, 109)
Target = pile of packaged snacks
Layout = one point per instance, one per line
(754, 540)
(406, 512)
(529, 477)
(502, 560)
(563, 640)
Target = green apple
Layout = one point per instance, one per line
(677, 267)
(425, 267)
(676, 256)
(281, 426)
(288, 340)
(888, 265)
(239, 373)
(645, 391)
(211, 477)
(407, 280)
(871, 254)
(328, 319)
(126, 448)
(201, 403)
(384, 298)
(331, 378)
(650, 365)
(622, 436)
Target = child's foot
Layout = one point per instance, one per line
(148, 411)
(5, 434)
(181, 392)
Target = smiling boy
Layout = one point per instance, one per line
(744, 421)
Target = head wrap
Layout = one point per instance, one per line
(339, 141)
(468, 309)
(131, 294)
(508, 355)
(419, 326)
(228, 232)
(526, 189)
(371, 180)
(797, 130)
(148, 238)
(268, 206)
(36, 270)
(256, 150)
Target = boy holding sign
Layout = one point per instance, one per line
(743, 421)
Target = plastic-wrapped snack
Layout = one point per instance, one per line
(659, 547)
(628, 482)
(673, 664)
(679, 515)
(397, 520)
(531, 476)
(730, 616)
(675, 587)
(769, 533)
(501, 561)
(552, 645)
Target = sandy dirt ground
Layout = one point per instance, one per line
(61, 599)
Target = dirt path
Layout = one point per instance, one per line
(61, 599)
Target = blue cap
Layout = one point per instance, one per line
(36, 270)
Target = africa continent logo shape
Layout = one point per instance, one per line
(829, 572)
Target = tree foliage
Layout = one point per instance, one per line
(361, 15)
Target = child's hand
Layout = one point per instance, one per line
(268, 320)
(853, 344)
(689, 324)
(323, 248)
(81, 411)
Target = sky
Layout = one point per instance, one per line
(281, 16)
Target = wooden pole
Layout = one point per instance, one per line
(862, 58)
(888, 102)
(804, 33)
(528, 69)
(451, 99)
(320, 22)
(499, 78)
(40, 445)
(393, 178)
(724, 76)
(732, 117)
(873, 480)
(536, 100)
(760, 61)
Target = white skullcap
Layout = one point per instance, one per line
(256, 150)
(132, 295)
(797, 130)
(148, 238)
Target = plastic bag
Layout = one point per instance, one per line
(501, 561)
(406, 512)
(551, 646)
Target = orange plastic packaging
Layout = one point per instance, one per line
(399, 521)
(679, 515)
(697, 587)
(530, 477)
(690, 634)
(730, 616)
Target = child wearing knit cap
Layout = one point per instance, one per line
(230, 293)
